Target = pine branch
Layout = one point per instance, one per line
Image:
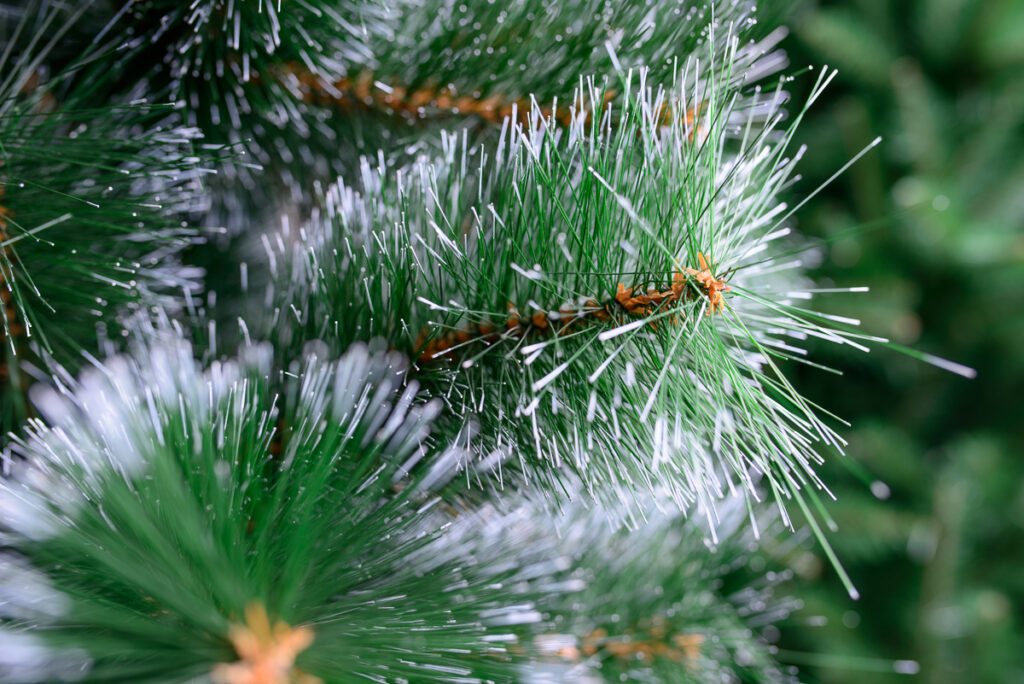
(152, 510)
(658, 603)
(152, 536)
(215, 58)
(533, 50)
(527, 268)
(94, 201)
(275, 80)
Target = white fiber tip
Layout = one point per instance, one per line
(959, 369)
(909, 667)
(622, 329)
(880, 490)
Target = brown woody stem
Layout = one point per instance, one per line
(625, 303)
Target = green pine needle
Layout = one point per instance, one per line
(163, 504)
(94, 206)
(553, 223)
(169, 510)
(308, 86)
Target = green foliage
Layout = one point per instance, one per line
(165, 500)
(517, 51)
(152, 508)
(660, 603)
(309, 86)
(232, 65)
(500, 271)
(934, 560)
(93, 202)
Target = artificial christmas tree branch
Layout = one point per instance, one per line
(565, 392)
(237, 528)
(273, 79)
(560, 224)
(95, 202)
(170, 546)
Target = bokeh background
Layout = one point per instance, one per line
(932, 221)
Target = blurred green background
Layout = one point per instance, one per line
(939, 555)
